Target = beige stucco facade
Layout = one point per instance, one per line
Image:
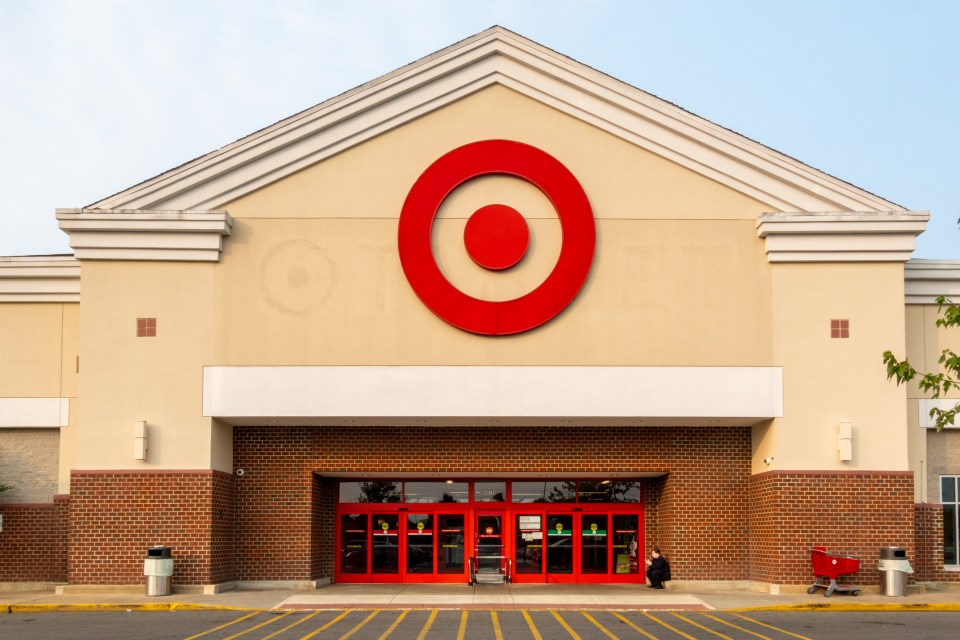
(272, 266)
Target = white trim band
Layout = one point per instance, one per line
(841, 236)
(39, 279)
(34, 412)
(122, 234)
(450, 395)
(925, 280)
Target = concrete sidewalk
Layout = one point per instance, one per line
(522, 596)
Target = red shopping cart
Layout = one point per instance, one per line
(827, 567)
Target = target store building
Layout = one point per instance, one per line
(492, 316)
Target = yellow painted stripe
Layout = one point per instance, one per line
(360, 626)
(769, 626)
(396, 623)
(224, 626)
(672, 628)
(462, 632)
(533, 627)
(700, 626)
(259, 626)
(635, 627)
(327, 626)
(497, 633)
(606, 631)
(563, 623)
(290, 626)
(426, 627)
(730, 624)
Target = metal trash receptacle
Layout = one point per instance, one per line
(894, 568)
(158, 567)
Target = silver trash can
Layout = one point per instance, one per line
(158, 568)
(894, 568)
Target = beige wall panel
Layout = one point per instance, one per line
(372, 179)
(31, 350)
(827, 381)
(70, 350)
(159, 380)
(943, 451)
(28, 463)
(331, 292)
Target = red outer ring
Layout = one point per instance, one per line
(482, 158)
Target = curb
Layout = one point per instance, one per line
(853, 607)
(74, 608)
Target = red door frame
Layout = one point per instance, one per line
(509, 512)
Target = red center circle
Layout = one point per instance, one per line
(496, 237)
(504, 157)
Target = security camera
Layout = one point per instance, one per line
(239, 472)
(768, 460)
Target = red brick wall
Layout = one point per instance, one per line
(928, 561)
(699, 510)
(116, 515)
(846, 512)
(33, 543)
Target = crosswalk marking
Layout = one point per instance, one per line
(359, 626)
(668, 626)
(396, 623)
(563, 623)
(606, 631)
(635, 627)
(533, 627)
(426, 627)
(700, 626)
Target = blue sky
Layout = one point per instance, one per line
(99, 95)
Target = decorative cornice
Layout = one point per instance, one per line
(925, 280)
(39, 279)
(125, 234)
(860, 236)
(496, 57)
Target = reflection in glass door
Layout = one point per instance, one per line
(593, 543)
(385, 558)
(626, 552)
(353, 543)
(559, 543)
(528, 544)
(489, 543)
(450, 553)
(419, 543)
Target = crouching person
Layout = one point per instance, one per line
(658, 569)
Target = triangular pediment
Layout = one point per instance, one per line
(495, 56)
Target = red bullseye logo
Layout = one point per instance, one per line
(496, 237)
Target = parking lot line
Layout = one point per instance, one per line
(602, 628)
(462, 631)
(769, 626)
(563, 623)
(497, 633)
(429, 623)
(668, 626)
(224, 626)
(271, 620)
(635, 627)
(533, 627)
(396, 623)
(290, 626)
(700, 626)
(360, 626)
(730, 624)
(327, 626)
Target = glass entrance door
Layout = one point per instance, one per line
(560, 549)
(489, 549)
(385, 548)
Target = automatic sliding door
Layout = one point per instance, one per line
(419, 543)
(450, 547)
(385, 559)
(593, 543)
(559, 544)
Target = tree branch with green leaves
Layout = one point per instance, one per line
(933, 384)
